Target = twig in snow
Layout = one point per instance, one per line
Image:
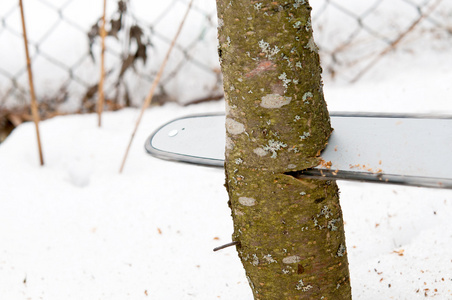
(226, 245)
(34, 105)
(148, 99)
(100, 91)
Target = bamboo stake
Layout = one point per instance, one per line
(148, 99)
(34, 105)
(100, 92)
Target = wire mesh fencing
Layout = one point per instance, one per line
(64, 42)
(354, 35)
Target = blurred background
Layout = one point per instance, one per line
(64, 42)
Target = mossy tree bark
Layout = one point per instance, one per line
(290, 231)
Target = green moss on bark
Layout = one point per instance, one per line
(291, 235)
(266, 49)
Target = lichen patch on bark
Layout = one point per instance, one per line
(275, 101)
(247, 201)
(234, 127)
(291, 259)
(260, 152)
(312, 46)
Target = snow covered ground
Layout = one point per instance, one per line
(77, 229)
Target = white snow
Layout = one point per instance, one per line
(77, 229)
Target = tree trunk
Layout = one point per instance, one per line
(290, 231)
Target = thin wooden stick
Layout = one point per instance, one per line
(100, 92)
(34, 105)
(148, 99)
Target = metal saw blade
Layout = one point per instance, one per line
(387, 148)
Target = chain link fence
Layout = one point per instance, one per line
(65, 46)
